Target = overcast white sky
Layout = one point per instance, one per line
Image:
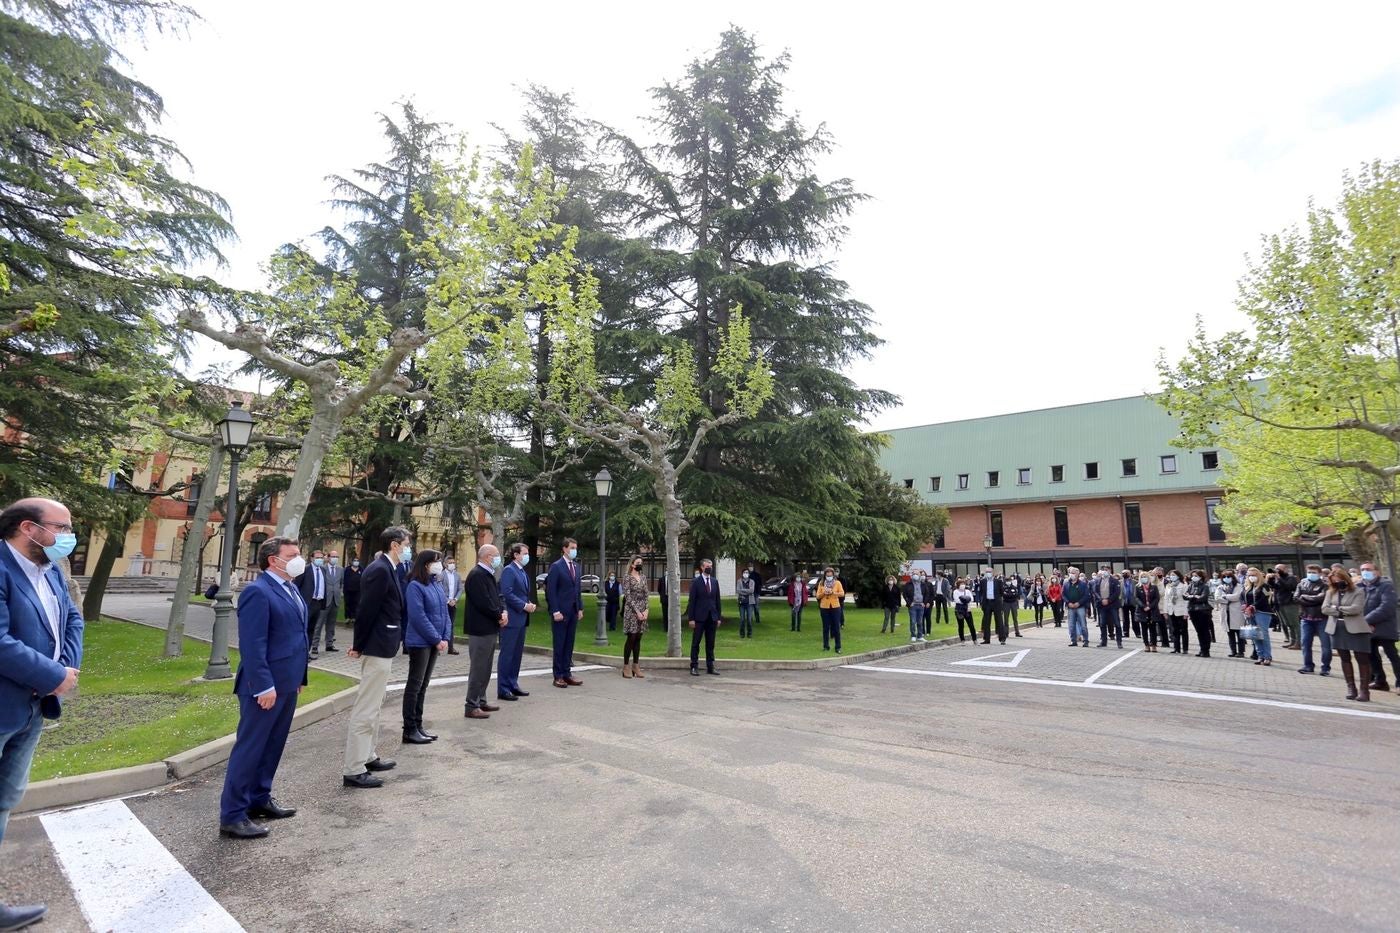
(1057, 188)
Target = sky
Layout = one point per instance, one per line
(1056, 190)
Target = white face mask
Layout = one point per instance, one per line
(435, 568)
(450, 566)
(296, 566)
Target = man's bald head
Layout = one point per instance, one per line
(32, 524)
(487, 553)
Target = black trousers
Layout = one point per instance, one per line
(1237, 644)
(940, 609)
(1057, 609)
(421, 662)
(965, 618)
(708, 630)
(352, 602)
(1384, 646)
(1130, 621)
(1181, 638)
(1109, 626)
(1205, 630)
(1147, 629)
(989, 611)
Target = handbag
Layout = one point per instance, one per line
(1250, 631)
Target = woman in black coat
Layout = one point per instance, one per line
(1147, 602)
(890, 599)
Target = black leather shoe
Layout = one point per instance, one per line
(363, 779)
(272, 810)
(243, 829)
(508, 697)
(712, 671)
(415, 738)
(431, 737)
(16, 918)
(519, 693)
(381, 764)
(695, 672)
(332, 650)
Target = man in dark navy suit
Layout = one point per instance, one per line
(563, 592)
(702, 612)
(272, 618)
(41, 649)
(314, 585)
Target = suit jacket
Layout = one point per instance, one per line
(1380, 607)
(451, 585)
(379, 621)
(335, 582)
(980, 588)
(702, 604)
(27, 665)
(484, 606)
(307, 583)
(563, 589)
(515, 593)
(272, 642)
(1115, 592)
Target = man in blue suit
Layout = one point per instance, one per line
(563, 592)
(515, 591)
(272, 642)
(702, 612)
(41, 649)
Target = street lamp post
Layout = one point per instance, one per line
(235, 431)
(1380, 514)
(603, 485)
(987, 543)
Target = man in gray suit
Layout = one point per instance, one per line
(452, 584)
(335, 595)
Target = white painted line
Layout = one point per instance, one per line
(1112, 665)
(124, 879)
(1185, 694)
(986, 659)
(459, 679)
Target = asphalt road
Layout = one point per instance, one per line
(837, 800)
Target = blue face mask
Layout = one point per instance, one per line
(525, 562)
(573, 553)
(1367, 575)
(62, 546)
(496, 562)
(1314, 577)
(318, 561)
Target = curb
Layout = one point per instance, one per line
(758, 664)
(81, 788)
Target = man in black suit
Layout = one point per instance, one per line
(757, 579)
(702, 612)
(378, 637)
(485, 617)
(313, 584)
(989, 597)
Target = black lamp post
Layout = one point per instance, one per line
(235, 431)
(987, 543)
(1380, 514)
(602, 483)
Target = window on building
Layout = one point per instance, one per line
(1217, 530)
(934, 482)
(1062, 527)
(262, 511)
(255, 541)
(1132, 517)
(1091, 470)
(1210, 460)
(938, 541)
(1023, 476)
(909, 483)
(962, 480)
(1168, 463)
(997, 539)
(192, 493)
(993, 478)
(1057, 473)
(1130, 466)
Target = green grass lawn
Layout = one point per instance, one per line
(772, 638)
(134, 706)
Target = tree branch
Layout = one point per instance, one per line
(252, 340)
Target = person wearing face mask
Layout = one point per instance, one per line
(962, 610)
(314, 589)
(612, 599)
(1345, 607)
(43, 648)
(563, 593)
(516, 594)
(452, 585)
(636, 609)
(748, 598)
(1286, 600)
(756, 577)
(1077, 599)
(942, 595)
(485, 617)
(378, 636)
(335, 597)
(989, 597)
(1198, 600)
(351, 589)
(1129, 607)
(1011, 600)
(1147, 603)
(1107, 593)
(891, 598)
(1055, 596)
(1310, 593)
(1227, 599)
(831, 594)
(272, 635)
(797, 597)
(914, 597)
(1380, 616)
(1174, 610)
(1258, 602)
(427, 623)
(703, 613)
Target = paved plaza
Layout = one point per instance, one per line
(884, 797)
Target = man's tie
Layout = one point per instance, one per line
(572, 572)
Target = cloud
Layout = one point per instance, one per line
(1359, 102)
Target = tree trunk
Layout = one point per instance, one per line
(320, 434)
(192, 558)
(674, 520)
(101, 573)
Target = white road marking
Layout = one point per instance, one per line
(1078, 685)
(459, 679)
(124, 879)
(986, 659)
(1112, 665)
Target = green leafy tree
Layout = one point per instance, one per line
(895, 522)
(1307, 397)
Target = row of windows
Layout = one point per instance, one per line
(1132, 525)
(1210, 460)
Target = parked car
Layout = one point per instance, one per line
(590, 581)
(541, 577)
(776, 587)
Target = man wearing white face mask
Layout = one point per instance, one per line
(451, 582)
(485, 617)
(44, 648)
(563, 592)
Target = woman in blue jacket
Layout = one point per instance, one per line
(427, 625)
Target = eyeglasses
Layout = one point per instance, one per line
(60, 528)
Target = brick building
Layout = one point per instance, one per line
(1081, 484)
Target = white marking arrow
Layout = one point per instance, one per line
(986, 659)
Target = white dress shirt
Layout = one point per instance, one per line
(47, 597)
